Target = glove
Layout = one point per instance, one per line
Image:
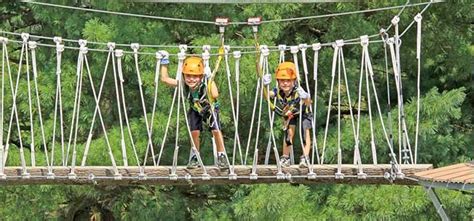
(267, 79)
(166, 56)
(302, 94)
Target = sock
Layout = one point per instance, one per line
(220, 154)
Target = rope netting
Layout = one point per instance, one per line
(139, 143)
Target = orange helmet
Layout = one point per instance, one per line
(193, 66)
(286, 71)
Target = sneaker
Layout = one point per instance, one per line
(222, 162)
(303, 162)
(284, 161)
(193, 163)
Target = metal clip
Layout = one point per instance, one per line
(418, 17)
(281, 47)
(226, 49)
(183, 47)
(303, 47)
(254, 22)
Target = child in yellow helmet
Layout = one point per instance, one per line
(200, 107)
(288, 98)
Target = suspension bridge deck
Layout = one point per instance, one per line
(104, 175)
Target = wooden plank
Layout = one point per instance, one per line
(441, 169)
(104, 175)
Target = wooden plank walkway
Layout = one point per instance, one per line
(104, 175)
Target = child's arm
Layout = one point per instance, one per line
(165, 78)
(213, 90)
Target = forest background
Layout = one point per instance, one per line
(446, 131)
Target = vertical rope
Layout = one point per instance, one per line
(30, 109)
(418, 19)
(32, 46)
(331, 91)
(316, 47)
(237, 56)
(122, 105)
(149, 146)
(97, 107)
(75, 122)
(58, 102)
(14, 111)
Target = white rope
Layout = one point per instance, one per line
(58, 102)
(331, 91)
(119, 111)
(316, 47)
(3, 41)
(357, 158)
(32, 46)
(418, 19)
(30, 109)
(233, 23)
(178, 89)
(259, 116)
(234, 113)
(98, 111)
(237, 56)
(389, 106)
(14, 112)
(281, 59)
(119, 92)
(266, 71)
(149, 146)
(303, 48)
(155, 97)
(77, 107)
(257, 88)
(369, 107)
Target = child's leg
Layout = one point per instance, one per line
(217, 134)
(195, 134)
(288, 141)
(307, 145)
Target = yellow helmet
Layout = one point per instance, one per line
(286, 71)
(193, 66)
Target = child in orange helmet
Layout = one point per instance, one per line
(288, 98)
(200, 107)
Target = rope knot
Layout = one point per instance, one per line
(294, 49)
(303, 47)
(82, 42)
(3, 40)
(118, 53)
(183, 47)
(395, 20)
(32, 45)
(237, 54)
(264, 50)
(83, 50)
(338, 43)
(206, 55)
(181, 56)
(59, 48)
(111, 45)
(25, 37)
(364, 40)
(226, 49)
(281, 47)
(57, 40)
(316, 46)
(135, 47)
(418, 17)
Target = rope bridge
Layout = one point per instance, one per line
(249, 161)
